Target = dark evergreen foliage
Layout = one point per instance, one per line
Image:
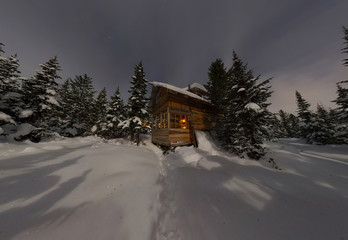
(10, 94)
(137, 115)
(115, 115)
(216, 86)
(341, 112)
(100, 108)
(10, 90)
(345, 49)
(81, 118)
(289, 124)
(40, 94)
(324, 126)
(246, 117)
(305, 118)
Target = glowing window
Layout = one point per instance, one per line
(179, 121)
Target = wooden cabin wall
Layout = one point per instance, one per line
(179, 136)
(200, 115)
(160, 105)
(160, 136)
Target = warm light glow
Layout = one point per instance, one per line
(184, 127)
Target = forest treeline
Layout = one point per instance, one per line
(39, 107)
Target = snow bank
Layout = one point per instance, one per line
(23, 130)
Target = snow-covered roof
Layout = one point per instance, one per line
(179, 90)
(197, 85)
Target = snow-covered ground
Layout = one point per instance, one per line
(77, 188)
(85, 188)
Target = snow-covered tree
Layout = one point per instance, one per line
(10, 91)
(40, 95)
(81, 98)
(246, 116)
(289, 124)
(138, 115)
(100, 108)
(323, 126)
(114, 116)
(64, 111)
(342, 112)
(306, 119)
(345, 49)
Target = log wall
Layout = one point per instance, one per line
(200, 114)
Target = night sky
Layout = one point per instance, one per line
(297, 42)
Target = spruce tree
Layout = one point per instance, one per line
(65, 110)
(81, 117)
(345, 49)
(306, 119)
(216, 86)
(323, 126)
(289, 124)
(100, 108)
(10, 91)
(342, 112)
(114, 116)
(138, 115)
(246, 116)
(40, 94)
(1, 48)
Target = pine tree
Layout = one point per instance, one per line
(64, 111)
(342, 112)
(40, 94)
(100, 108)
(246, 116)
(115, 115)
(345, 49)
(1, 48)
(10, 91)
(81, 118)
(138, 115)
(306, 119)
(323, 126)
(216, 86)
(289, 124)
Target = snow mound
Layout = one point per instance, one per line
(26, 113)
(6, 118)
(253, 106)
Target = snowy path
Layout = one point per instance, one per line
(210, 195)
(77, 190)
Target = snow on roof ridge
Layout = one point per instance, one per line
(197, 85)
(179, 90)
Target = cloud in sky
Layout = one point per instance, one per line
(296, 42)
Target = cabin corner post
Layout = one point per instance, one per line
(168, 117)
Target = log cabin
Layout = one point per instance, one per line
(178, 112)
